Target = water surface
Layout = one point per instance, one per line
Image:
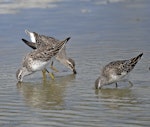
(101, 31)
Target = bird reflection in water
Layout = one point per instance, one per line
(49, 95)
(115, 98)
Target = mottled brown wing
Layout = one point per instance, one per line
(115, 67)
(42, 40)
(46, 53)
(41, 54)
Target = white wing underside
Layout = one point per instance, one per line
(32, 37)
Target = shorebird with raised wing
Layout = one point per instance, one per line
(38, 59)
(42, 40)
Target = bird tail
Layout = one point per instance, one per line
(60, 46)
(30, 44)
(135, 60)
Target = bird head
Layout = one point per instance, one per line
(21, 72)
(71, 65)
(100, 81)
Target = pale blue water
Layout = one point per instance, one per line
(101, 31)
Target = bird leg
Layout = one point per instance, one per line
(50, 74)
(44, 73)
(53, 68)
(130, 83)
(116, 85)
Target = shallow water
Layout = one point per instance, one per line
(101, 31)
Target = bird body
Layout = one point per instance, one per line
(115, 71)
(38, 59)
(39, 41)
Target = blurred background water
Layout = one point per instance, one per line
(101, 31)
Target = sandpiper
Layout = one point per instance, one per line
(115, 71)
(38, 59)
(42, 40)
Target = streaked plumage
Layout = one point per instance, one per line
(42, 41)
(38, 59)
(115, 71)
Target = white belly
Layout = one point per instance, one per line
(38, 65)
(115, 78)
